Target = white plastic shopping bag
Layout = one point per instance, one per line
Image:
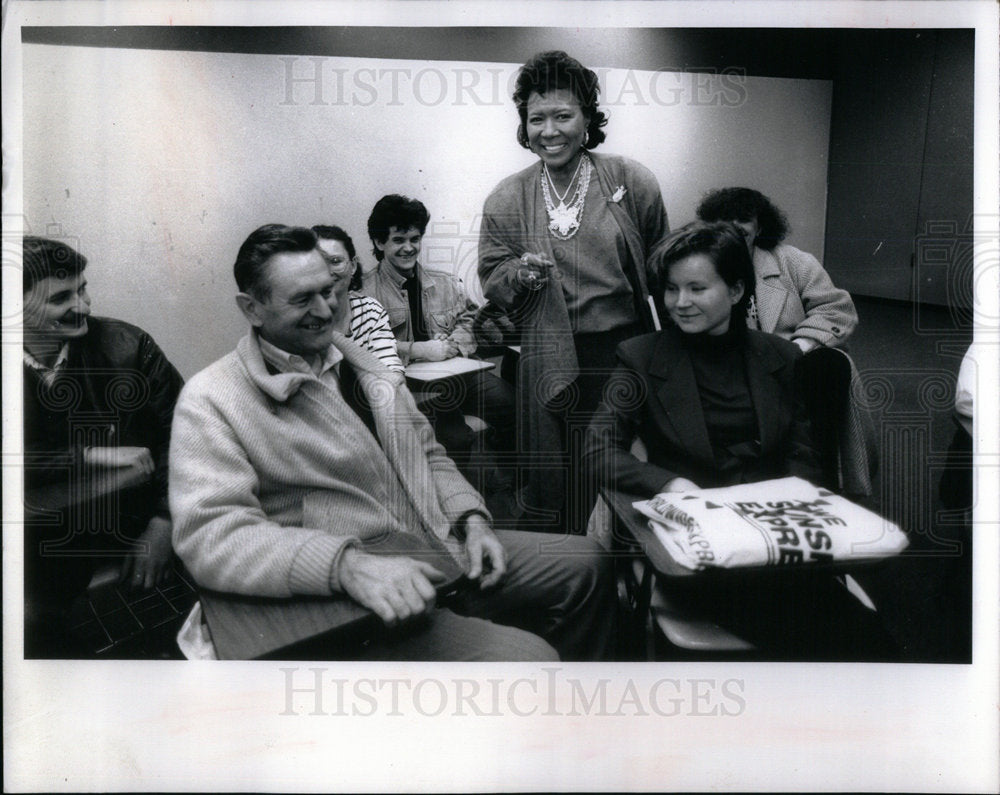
(780, 522)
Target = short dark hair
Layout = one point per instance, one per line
(554, 69)
(43, 258)
(336, 233)
(262, 244)
(723, 244)
(746, 204)
(395, 211)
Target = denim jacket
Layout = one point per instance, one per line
(446, 307)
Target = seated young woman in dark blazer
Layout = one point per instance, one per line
(713, 401)
(715, 404)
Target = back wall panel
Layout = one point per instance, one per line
(158, 163)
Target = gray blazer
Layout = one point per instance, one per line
(796, 298)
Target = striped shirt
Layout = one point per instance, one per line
(370, 328)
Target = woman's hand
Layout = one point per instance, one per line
(533, 273)
(679, 484)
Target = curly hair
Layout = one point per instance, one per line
(555, 69)
(395, 211)
(746, 204)
(722, 243)
(336, 233)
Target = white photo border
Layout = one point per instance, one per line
(184, 726)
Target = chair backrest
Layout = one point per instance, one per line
(824, 380)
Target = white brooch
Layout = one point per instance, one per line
(619, 194)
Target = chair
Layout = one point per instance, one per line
(113, 622)
(87, 615)
(497, 337)
(644, 596)
(692, 633)
(842, 429)
(825, 380)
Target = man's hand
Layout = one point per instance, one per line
(394, 588)
(805, 344)
(149, 565)
(433, 350)
(138, 458)
(487, 557)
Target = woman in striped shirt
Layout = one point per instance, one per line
(366, 322)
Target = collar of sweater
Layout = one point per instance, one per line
(281, 386)
(285, 362)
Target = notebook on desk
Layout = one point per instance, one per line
(428, 372)
(251, 627)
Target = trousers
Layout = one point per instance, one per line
(556, 601)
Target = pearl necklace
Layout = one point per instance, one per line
(565, 220)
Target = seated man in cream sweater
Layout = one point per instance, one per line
(294, 448)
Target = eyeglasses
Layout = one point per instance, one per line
(340, 266)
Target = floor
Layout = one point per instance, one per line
(908, 358)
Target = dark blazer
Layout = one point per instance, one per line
(653, 395)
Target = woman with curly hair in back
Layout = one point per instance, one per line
(795, 297)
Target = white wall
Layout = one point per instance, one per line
(157, 164)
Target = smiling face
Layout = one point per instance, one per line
(340, 263)
(749, 229)
(556, 128)
(300, 313)
(57, 308)
(697, 297)
(401, 248)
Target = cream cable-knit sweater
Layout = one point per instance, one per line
(272, 476)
